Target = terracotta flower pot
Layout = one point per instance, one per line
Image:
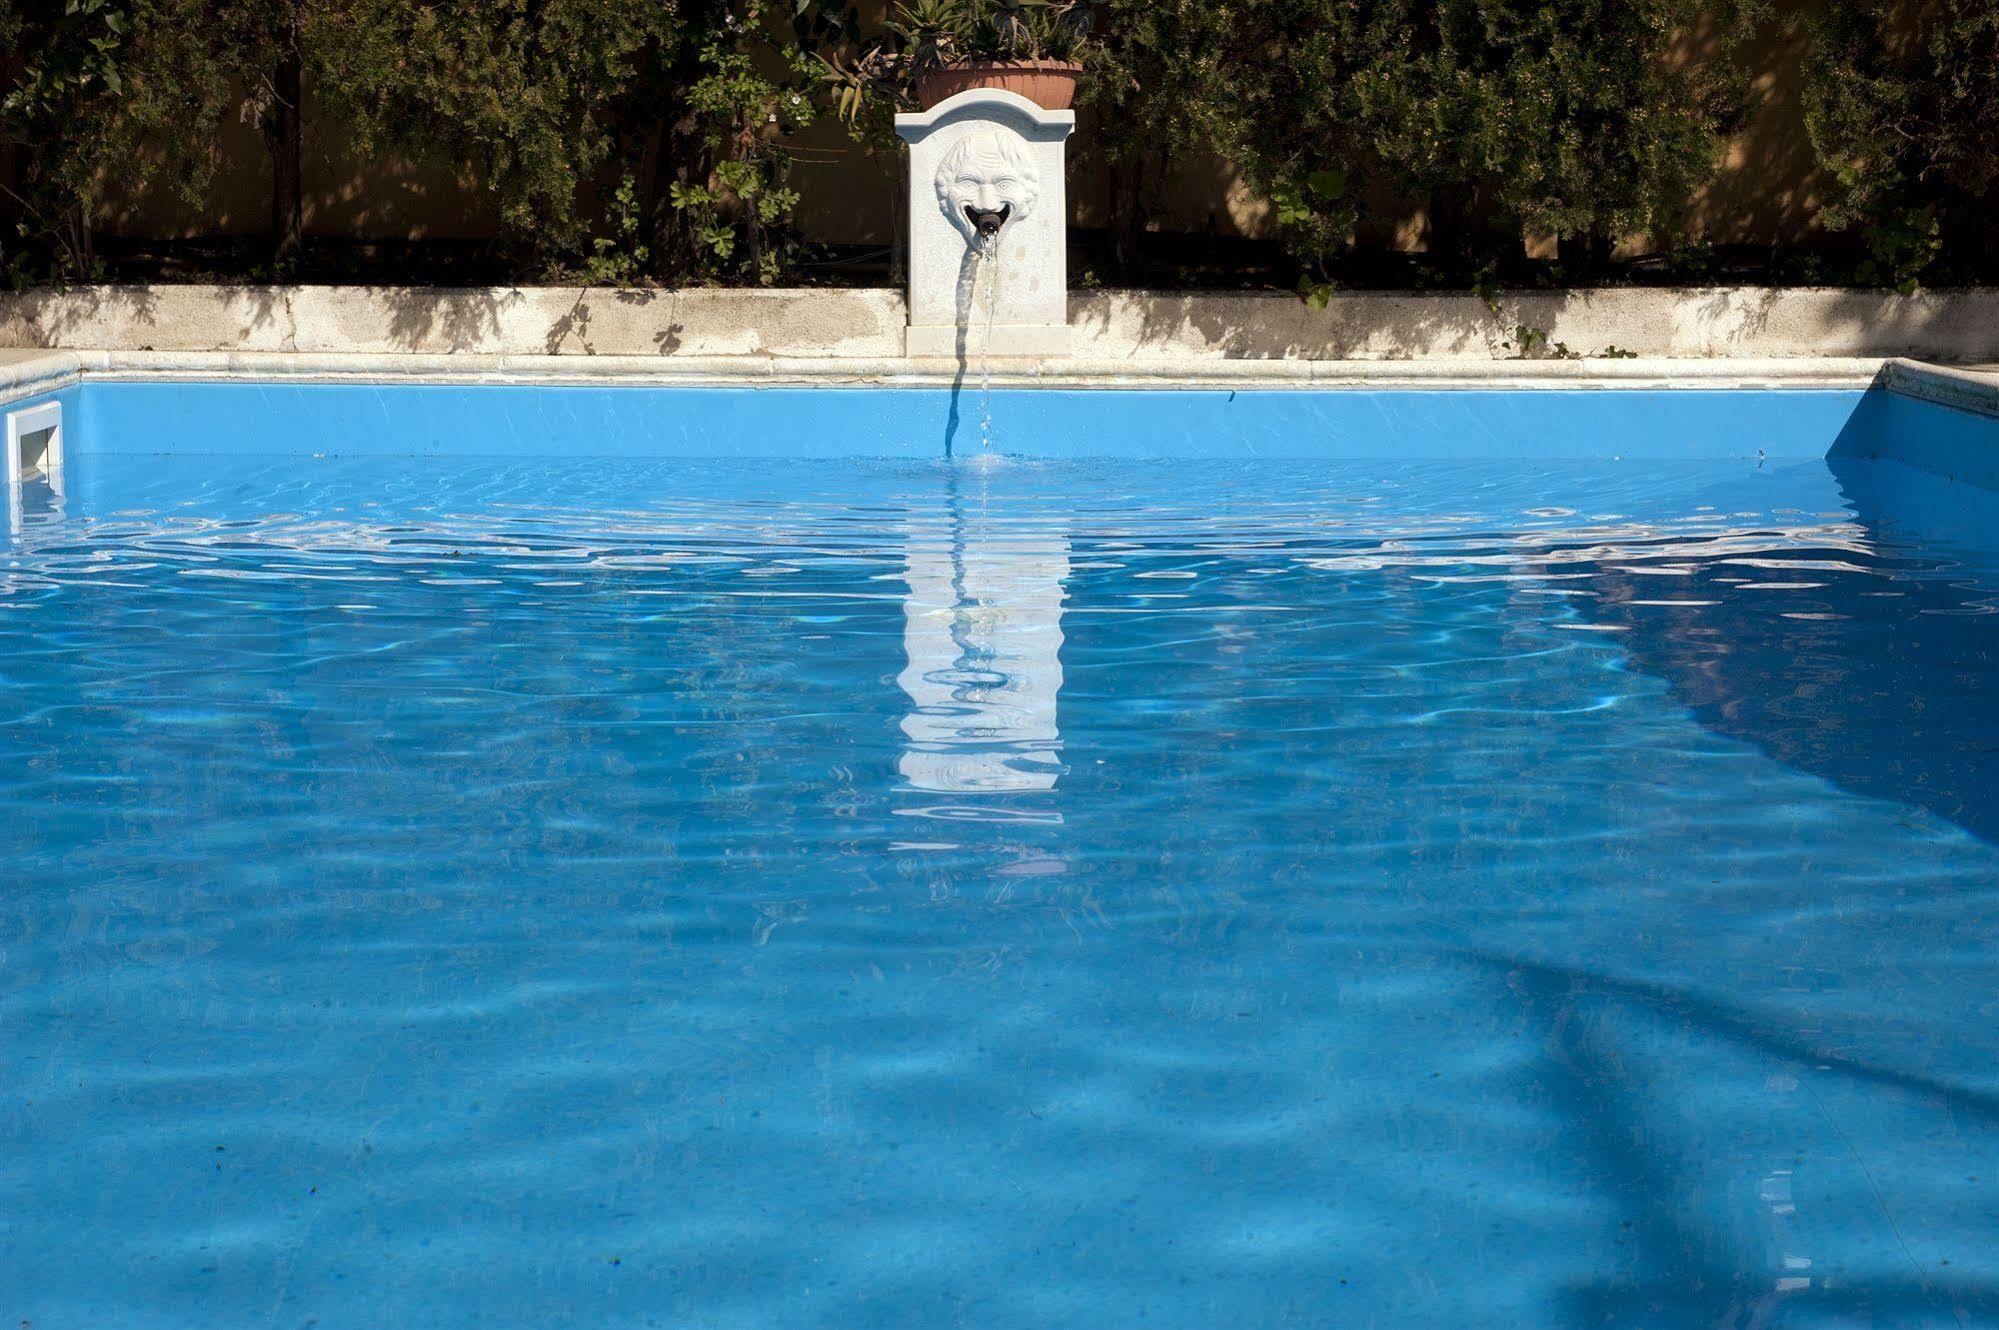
(1049, 84)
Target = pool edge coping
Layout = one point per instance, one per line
(1961, 388)
(34, 373)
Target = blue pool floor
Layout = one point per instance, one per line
(999, 893)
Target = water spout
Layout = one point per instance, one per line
(988, 221)
(989, 257)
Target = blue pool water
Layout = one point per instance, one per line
(999, 892)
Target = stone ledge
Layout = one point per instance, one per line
(1966, 389)
(1691, 323)
(31, 373)
(1080, 372)
(571, 321)
(1133, 328)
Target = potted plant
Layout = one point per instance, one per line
(934, 49)
(1030, 47)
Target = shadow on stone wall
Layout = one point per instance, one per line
(1276, 327)
(452, 322)
(861, 323)
(1650, 321)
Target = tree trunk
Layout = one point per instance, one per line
(12, 219)
(1127, 215)
(898, 247)
(1471, 233)
(652, 167)
(82, 241)
(753, 227)
(682, 160)
(282, 138)
(1584, 256)
(1449, 241)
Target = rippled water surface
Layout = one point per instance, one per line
(448, 893)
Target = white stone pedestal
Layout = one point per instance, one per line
(988, 150)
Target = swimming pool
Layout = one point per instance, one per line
(1283, 859)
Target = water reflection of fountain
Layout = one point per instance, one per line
(982, 634)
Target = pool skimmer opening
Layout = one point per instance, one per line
(34, 445)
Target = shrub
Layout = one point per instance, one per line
(675, 116)
(637, 140)
(134, 90)
(1568, 115)
(1577, 117)
(522, 95)
(61, 86)
(195, 62)
(1170, 79)
(1901, 102)
(751, 91)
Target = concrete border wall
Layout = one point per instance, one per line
(477, 321)
(1696, 323)
(1149, 331)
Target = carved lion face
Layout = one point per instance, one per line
(988, 172)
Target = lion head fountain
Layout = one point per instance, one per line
(986, 182)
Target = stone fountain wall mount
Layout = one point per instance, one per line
(983, 154)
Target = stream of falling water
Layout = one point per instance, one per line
(989, 257)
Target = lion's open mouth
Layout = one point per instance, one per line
(987, 222)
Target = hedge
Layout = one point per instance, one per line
(648, 141)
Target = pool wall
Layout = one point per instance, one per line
(1946, 421)
(1949, 441)
(515, 421)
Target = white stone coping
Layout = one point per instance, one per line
(32, 373)
(29, 372)
(45, 371)
(1966, 389)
